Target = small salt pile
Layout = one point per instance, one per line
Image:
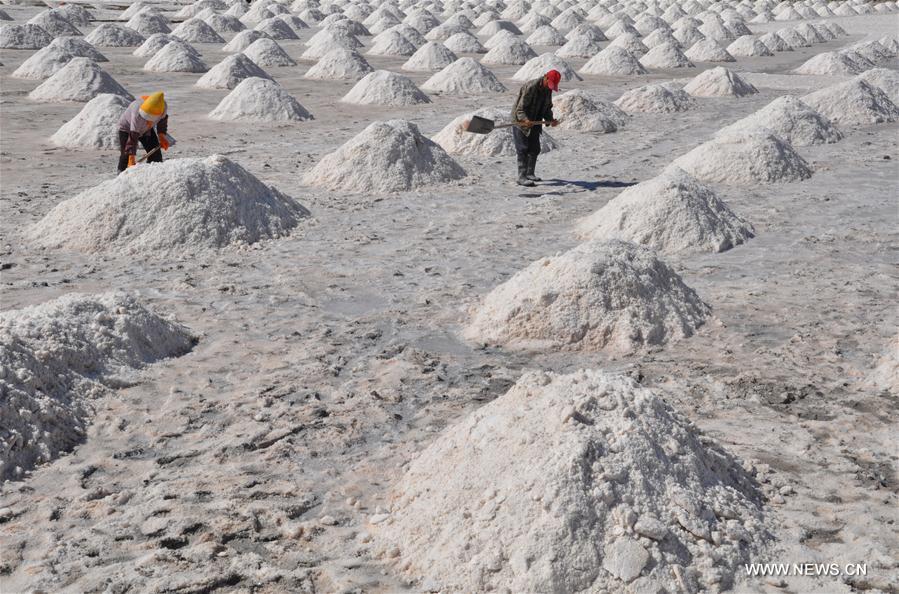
(539, 66)
(277, 29)
(884, 79)
(613, 61)
(831, 63)
(430, 57)
(266, 52)
(229, 72)
(655, 98)
(719, 82)
(383, 87)
(391, 43)
(224, 24)
(242, 41)
(456, 141)
(494, 27)
(464, 43)
(613, 296)
(579, 110)
(96, 125)
(708, 50)
(148, 22)
(195, 204)
(511, 52)
(501, 38)
(156, 42)
(43, 63)
(114, 35)
(79, 48)
(387, 156)
(464, 77)
(666, 55)
(853, 103)
(339, 64)
(792, 120)
(78, 81)
(745, 157)
(580, 47)
(631, 43)
(546, 35)
(55, 23)
(326, 44)
(259, 100)
(23, 37)
(196, 31)
(672, 213)
(176, 56)
(748, 46)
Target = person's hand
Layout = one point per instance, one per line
(163, 141)
(526, 123)
(132, 160)
(554, 123)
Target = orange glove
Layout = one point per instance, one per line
(163, 141)
(132, 160)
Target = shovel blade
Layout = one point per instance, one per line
(478, 125)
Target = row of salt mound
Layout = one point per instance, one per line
(586, 482)
(58, 357)
(259, 100)
(385, 157)
(196, 203)
(456, 141)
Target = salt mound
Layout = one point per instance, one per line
(775, 42)
(175, 57)
(242, 41)
(392, 43)
(76, 14)
(229, 72)
(666, 55)
(4, 16)
(430, 57)
(600, 295)
(383, 87)
(655, 98)
(267, 52)
(631, 43)
(114, 35)
(43, 63)
(884, 79)
(854, 103)
(55, 23)
(464, 43)
(148, 22)
(511, 52)
(194, 203)
(324, 45)
(828, 63)
(387, 156)
(78, 48)
(539, 66)
(501, 38)
(546, 35)
(59, 357)
(340, 37)
(456, 141)
(613, 61)
(580, 47)
(748, 46)
(464, 77)
(224, 24)
(688, 35)
(708, 50)
(792, 120)
(494, 27)
(745, 157)
(197, 31)
(671, 213)
(410, 33)
(78, 81)
(339, 63)
(23, 37)
(719, 82)
(660, 36)
(277, 28)
(259, 100)
(578, 110)
(96, 125)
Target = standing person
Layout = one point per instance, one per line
(146, 121)
(534, 103)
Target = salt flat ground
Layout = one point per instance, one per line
(346, 336)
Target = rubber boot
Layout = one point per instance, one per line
(522, 172)
(532, 163)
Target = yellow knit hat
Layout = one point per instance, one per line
(153, 107)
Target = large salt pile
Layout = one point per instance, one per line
(259, 100)
(792, 120)
(579, 110)
(55, 23)
(539, 66)
(719, 82)
(613, 295)
(613, 61)
(338, 64)
(43, 63)
(78, 48)
(266, 52)
(464, 77)
(464, 43)
(197, 31)
(708, 50)
(655, 98)
(383, 87)
(194, 203)
(114, 35)
(387, 156)
(853, 103)
(514, 51)
(666, 55)
(671, 213)
(229, 72)
(430, 57)
(745, 157)
(23, 37)
(78, 81)
(95, 126)
(176, 57)
(884, 79)
(59, 357)
(456, 141)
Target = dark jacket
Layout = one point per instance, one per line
(535, 102)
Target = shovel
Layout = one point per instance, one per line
(479, 125)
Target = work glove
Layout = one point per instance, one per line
(554, 123)
(132, 160)
(164, 141)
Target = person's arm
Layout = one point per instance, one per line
(162, 127)
(519, 114)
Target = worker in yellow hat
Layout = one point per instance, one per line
(146, 121)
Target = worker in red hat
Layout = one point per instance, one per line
(534, 104)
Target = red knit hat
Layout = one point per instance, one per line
(552, 79)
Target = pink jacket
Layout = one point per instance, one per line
(136, 126)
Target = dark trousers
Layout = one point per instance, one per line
(149, 141)
(527, 145)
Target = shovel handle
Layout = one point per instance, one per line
(148, 155)
(537, 123)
